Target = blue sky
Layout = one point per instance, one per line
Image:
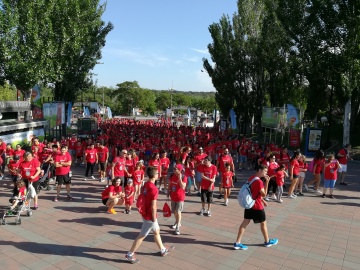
(160, 43)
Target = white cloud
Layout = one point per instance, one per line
(200, 51)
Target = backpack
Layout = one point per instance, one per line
(244, 196)
(311, 166)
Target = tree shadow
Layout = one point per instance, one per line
(103, 221)
(341, 203)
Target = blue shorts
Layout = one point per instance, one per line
(242, 159)
(329, 183)
(197, 176)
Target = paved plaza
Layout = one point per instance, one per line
(313, 232)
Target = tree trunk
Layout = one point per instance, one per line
(347, 119)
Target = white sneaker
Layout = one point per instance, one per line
(291, 197)
(318, 191)
(295, 196)
(177, 231)
(226, 202)
(266, 198)
(280, 201)
(208, 213)
(175, 225)
(274, 197)
(92, 177)
(306, 187)
(202, 211)
(85, 179)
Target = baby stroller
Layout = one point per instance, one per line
(44, 181)
(22, 207)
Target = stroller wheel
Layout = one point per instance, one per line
(18, 221)
(29, 213)
(3, 221)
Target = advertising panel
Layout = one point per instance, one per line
(313, 140)
(293, 120)
(294, 137)
(54, 113)
(23, 138)
(273, 117)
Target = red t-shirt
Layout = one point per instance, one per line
(138, 176)
(90, 155)
(227, 179)
(20, 153)
(256, 186)
(13, 166)
(177, 194)
(319, 165)
(222, 160)
(63, 158)
(331, 171)
(279, 176)
(79, 150)
(273, 166)
(102, 153)
(119, 167)
(115, 190)
(28, 169)
(129, 163)
(209, 172)
(295, 164)
(105, 193)
(128, 190)
(343, 160)
(72, 143)
(151, 193)
(165, 162)
(155, 163)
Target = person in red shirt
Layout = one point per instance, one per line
(155, 162)
(79, 152)
(165, 163)
(223, 158)
(138, 178)
(280, 179)
(63, 163)
(176, 192)
(91, 158)
(208, 175)
(19, 194)
(331, 168)
(19, 152)
(227, 182)
(272, 168)
(29, 170)
(103, 155)
(2, 156)
(343, 157)
(294, 171)
(318, 166)
(116, 196)
(129, 195)
(198, 160)
(9, 152)
(13, 168)
(150, 222)
(37, 143)
(257, 212)
(303, 168)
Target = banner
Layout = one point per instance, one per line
(54, 113)
(222, 125)
(109, 112)
(294, 137)
(233, 119)
(23, 138)
(37, 112)
(293, 121)
(273, 117)
(69, 115)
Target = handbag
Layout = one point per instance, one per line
(166, 210)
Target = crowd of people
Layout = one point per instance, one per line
(148, 157)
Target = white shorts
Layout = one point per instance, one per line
(149, 226)
(302, 174)
(343, 168)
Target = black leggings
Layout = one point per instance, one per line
(89, 166)
(272, 185)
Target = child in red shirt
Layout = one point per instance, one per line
(280, 176)
(227, 182)
(138, 178)
(129, 195)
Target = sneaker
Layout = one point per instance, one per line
(106, 186)
(92, 177)
(175, 225)
(291, 197)
(226, 203)
(323, 196)
(126, 211)
(112, 211)
(306, 187)
(331, 197)
(129, 212)
(240, 246)
(56, 199)
(202, 211)
(167, 251)
(70, 198)
(220, 196)
(266, 198)
(295, 196)
(343, 184)
(300, 194)
(272, 242)
(280, 201)
(318, 191)
(131, 258)
(36, 207)
(177, 231)
(208, 213)
(85, 179)
(274, 197)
